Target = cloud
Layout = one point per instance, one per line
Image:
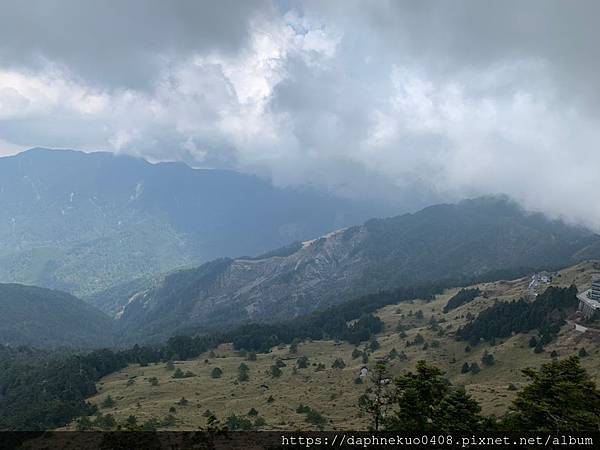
(122, 44)
(410, 102)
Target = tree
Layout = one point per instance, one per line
(377, 396)
(84, 423)
(315, 418)
(105, 421)
(338, 364)
(294, 346)
(235, 423)
(279, 363)
(475, 369)
(533, 342)
(374, 345)
(488, 359)
(243, 373)
(465, 368)
(419, 339)
(539, 348)
(170, 365)
(302, 362)
(582, 352)
(426, 402)
(458, 413)
(560, 398)
(417, 399)
(216, 373)
(108, 402)
(275, 371)
(131, 420)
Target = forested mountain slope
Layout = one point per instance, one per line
(84, 222)
(440, 242)
(45, 318)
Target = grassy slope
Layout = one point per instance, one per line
(333, 392)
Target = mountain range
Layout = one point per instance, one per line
(450, 241)
(85, 222)
(152, 248)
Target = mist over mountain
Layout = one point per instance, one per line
(83, 222)
(450, 241)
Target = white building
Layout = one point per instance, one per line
(589, 301)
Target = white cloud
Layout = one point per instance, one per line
(413, 104)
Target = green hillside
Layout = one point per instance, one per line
(46, 318)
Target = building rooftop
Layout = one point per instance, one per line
(584, 297)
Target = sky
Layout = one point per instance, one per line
(410, 102)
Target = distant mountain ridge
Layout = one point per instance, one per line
(466, 239)
(85, 222)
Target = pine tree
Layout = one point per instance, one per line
(418, 395)
(458, 413)
(560, 398)
(376, 398)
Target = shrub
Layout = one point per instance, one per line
(275, 371)
(108, 402)
(315, 418)
(302, 362)
(338, 364)
(488, 359)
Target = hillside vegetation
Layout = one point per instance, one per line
(45, 318)
(321, 375)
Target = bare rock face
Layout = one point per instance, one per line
(442, 242)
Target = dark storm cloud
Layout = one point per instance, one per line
(120, 43)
